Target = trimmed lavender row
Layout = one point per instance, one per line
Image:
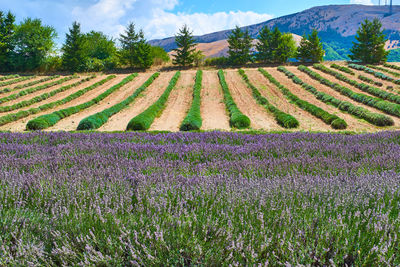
(199, 199)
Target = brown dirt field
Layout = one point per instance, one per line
(307, 121)
(354, 124)
(178, 104)
(40, 92)
(119, 121)
(21, 124)
(332, 92)
(260, 118)
(213, 111)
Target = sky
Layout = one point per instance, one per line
(159, 18)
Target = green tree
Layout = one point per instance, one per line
(263, 45)
(286, 48)
(275, 41)
(74, 58)
(184, 54)
(370, 47)
(100, 52)
(311, 49)
(33, 42)
(7, 27)
(240, 44)
(159, 55)
(135, 52)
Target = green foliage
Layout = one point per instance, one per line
(357, 111)
(12, 76)
(283, 119)
(394, 55)
(237, 118)
(286, 48)
(396, 74)
(45, 79)
(370, 47)
(143, 121)
(17, 80)
(159, 55)
(7, 28)
(331, 119)
(263, 46)
(378, 103)
(97, 120)
(343, 69)
(240, 44)
(392, 66)
(100, 52)
(48, 120)
(311, 49)
(25, 113)
(73, 58)
(216, 61)
(193, 119)
(184, 53)
(377, 74)
(369, 80)
(33, 42)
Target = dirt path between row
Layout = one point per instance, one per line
(260, 118)
(307, 121)
(361, 124)
(119, 121)
(213, 111)
(12, 86)
(20, 125)
(178, 104)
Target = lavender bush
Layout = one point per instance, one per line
(202, 199)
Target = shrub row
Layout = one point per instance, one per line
(283, 119)
(357, 111)
(32, 90)
(396, 74)
(392, 66)
(342, 68)
(369, 80)
(48, 120)
(379, 75)
(385, 106)
(193, 119)
(9, 77)
(362, 86)
(95, 121)
(19, 79)
(237, 118)
(334, 121)
(25, 113)
(6, 90)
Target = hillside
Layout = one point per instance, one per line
(337, 25)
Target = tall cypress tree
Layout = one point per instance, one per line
(311, 49)
(240, 44)
(184, 54)
(263, 45)
(73, 58)
(370, 47)
(7, 28)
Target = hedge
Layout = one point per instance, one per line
(357, 111)
(41, 97)
(237, 118)
(334, 121)
(362, 86)
(143, 121)
(369, 80)
(95, 121)
(19, 79)
(342, 68)
(396, 74)
(283, 119)
(392, 66)
(193, 121)
(379, 75)
(6, 90)
(48, 120)
(385, 106)
(25, 113)
(9, 77)
(34, 89)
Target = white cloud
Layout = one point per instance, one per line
(361, 2)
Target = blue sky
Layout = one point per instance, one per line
(159, 18)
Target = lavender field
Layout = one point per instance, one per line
(199, 199)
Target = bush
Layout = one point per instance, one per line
(48, 120)
(9, 77)
(385, 106)
(237, 118)
(310, 108)
(283, 119)
(357, 111)
(143, 121)
(193, 119)
(369, 80)
(217, 61)
(392, 66)
(18, 80)
(396, 74)
(6, 90)
(95, 121)
(379, 75)
(342, 68)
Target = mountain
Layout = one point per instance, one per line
(337, 25)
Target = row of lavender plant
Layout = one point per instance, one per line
(205, 199)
